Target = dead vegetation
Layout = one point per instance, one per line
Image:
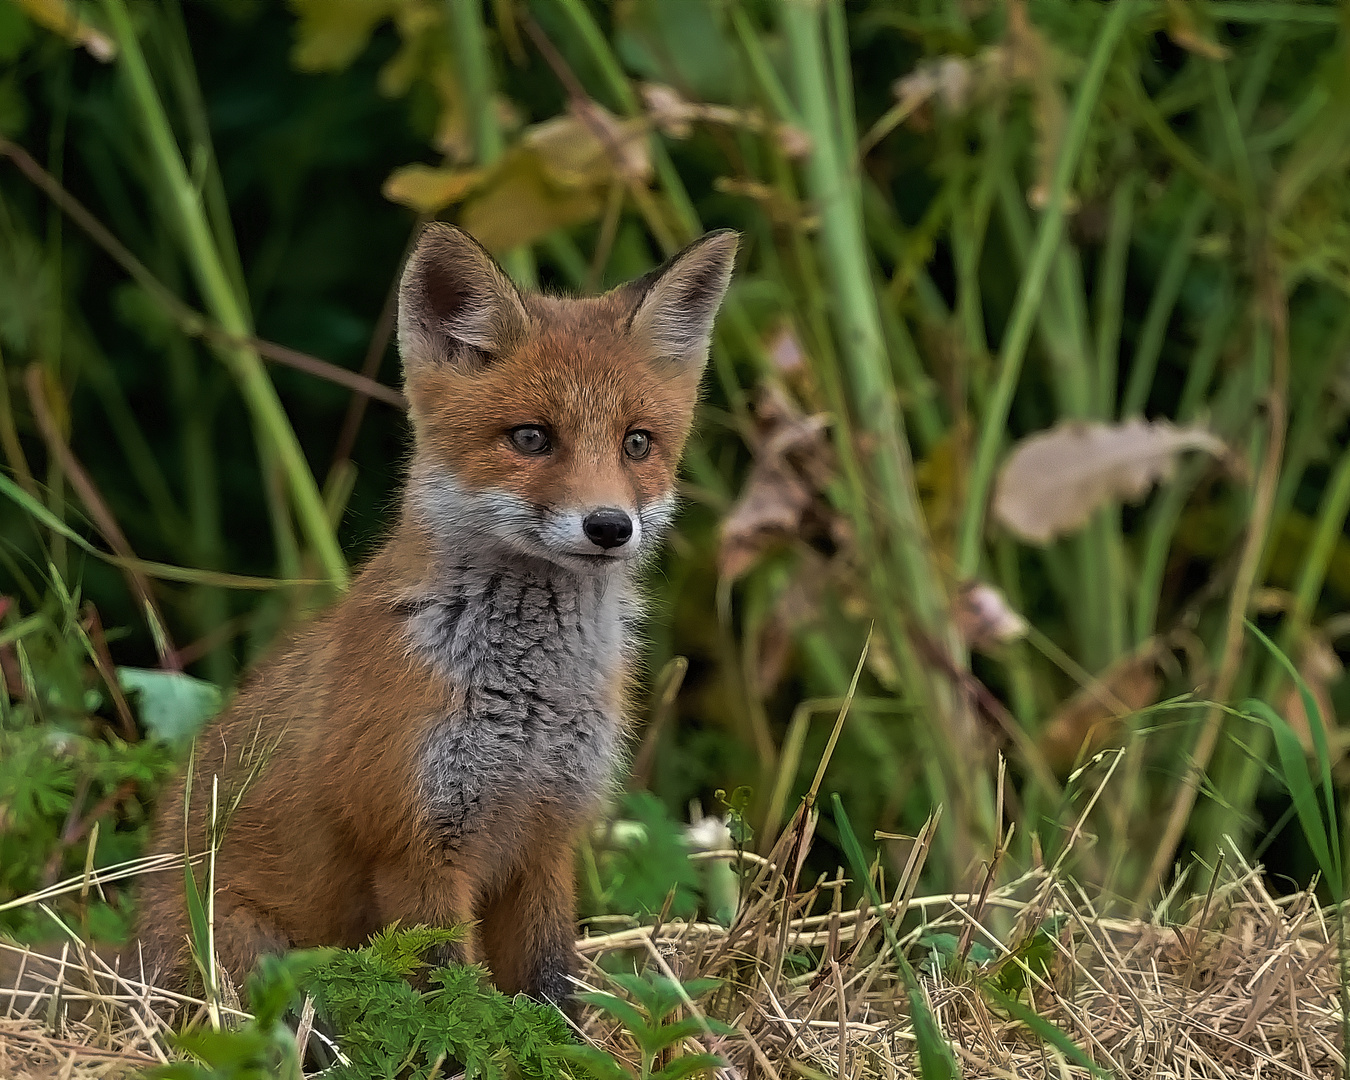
(1230, 983)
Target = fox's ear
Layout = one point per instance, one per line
(678, 301)
(455, 304)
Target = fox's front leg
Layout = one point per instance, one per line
(528, 932)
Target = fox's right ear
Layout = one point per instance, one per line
(455, 304)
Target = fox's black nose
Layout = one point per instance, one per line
(608, 528)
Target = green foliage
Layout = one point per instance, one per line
(1072, 212)
(654, 998)
(388, 1029)
(652, 859)
(173, 706)
(263, 1047)
(67, 774)
(936, 1061)
(1035, 954)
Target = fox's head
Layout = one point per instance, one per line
(552, 426)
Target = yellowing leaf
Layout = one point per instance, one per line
(1094, 715)
(1186, 28)
(520, 204)
(1053, 481)
(560, 174)
(58, 17)
(330, 34)
(584, 149)
(428, 190)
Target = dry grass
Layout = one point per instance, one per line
(1233, 983)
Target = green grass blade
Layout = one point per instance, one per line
(229, 308)
(1321, 748)
(1032, 288)
(1293, 773)
(164, 571)
(936, 1061)
(1047, 1031)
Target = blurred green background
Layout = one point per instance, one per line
(964, 221)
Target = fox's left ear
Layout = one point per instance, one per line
(679, 300)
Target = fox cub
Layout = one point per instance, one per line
(429, 750)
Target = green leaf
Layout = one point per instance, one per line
(330, 34)
(16, 33)
(403, 949)
(1294, 773)
(688, 1066)
(1037, 952)
(1318, 728)
(621, 1010)
(596, 1062)
(936, 1061)
(198, 925)
(689, 1028)
(173, 706)
(1046, 1031)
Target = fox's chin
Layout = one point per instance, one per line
(597, 563)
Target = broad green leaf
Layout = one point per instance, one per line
(689, 1065)
(689, 1028)
(596, 1062)
(621, 1010)
(172, 706)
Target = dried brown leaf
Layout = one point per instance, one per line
(1053, 481)
(782, 485)
(1093, 716)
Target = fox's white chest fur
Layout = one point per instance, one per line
(534, 653)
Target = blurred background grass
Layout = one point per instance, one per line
(964, 221)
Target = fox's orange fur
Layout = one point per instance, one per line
(429, 750)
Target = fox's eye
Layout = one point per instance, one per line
(530, 440)
(637, 445)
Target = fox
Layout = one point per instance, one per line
(430, 749)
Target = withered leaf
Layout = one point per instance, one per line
(781, 486)
(1093, 716)
(1053, 481)
(60, 17)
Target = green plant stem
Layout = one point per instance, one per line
(474, 61)
(616, 82)
(1110, 293)
(1013, 350)
(1160, 306)
(832, 184)
(228, 308)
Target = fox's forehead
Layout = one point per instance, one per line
(592, 384)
